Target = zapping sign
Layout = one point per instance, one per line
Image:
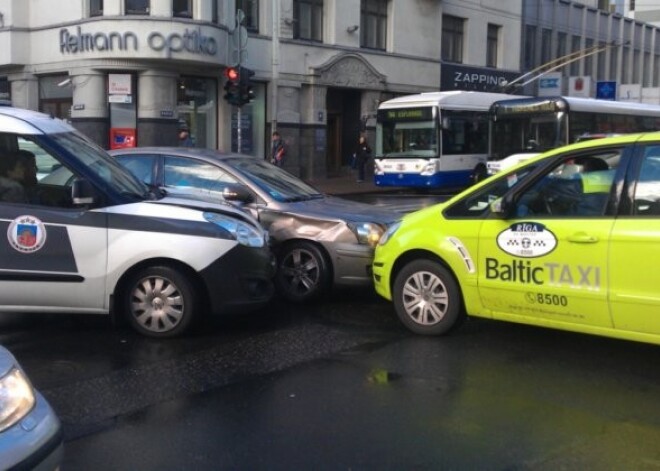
(191, 40)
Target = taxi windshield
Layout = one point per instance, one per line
(98, 161)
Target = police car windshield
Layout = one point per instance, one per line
(98, 161)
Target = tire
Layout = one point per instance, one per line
(427, 298)
(303, 273)
(160, 302)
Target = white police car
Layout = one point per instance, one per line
(85, 236)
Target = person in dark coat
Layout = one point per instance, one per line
(362, 156)
(277, 150)
(184, 136)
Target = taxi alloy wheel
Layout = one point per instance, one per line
(427, 298)
(160, 302)
(302, 272)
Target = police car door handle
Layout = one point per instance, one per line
(582, 238)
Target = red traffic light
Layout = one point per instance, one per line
(231, 73)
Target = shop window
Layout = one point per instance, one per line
(182, 8)
(308, 19)
(250, 9)
(136, 7)
(196, 106)
(452, 38)
(95, 7)
(55, 96)
(373, 24)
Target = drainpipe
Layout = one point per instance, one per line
(275, 63)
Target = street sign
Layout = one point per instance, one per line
(606, 90)
(550, 84)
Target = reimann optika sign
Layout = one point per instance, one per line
(191, 40)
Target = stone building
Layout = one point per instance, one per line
(130, 72)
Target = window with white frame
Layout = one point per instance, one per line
(308, 19)
(251, 10)
(452, 38)
(136, 7)
(95, 7)
(373, 24)
(492, 44)
(182, 8)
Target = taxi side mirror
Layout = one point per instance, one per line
(504, 207)
(82, 192)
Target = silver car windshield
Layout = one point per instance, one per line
(278, 183)
(98, 161)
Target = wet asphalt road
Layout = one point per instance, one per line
(342, 386)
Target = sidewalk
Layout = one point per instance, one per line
(347, 184)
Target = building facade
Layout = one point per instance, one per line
(131, 72)
(618, 57)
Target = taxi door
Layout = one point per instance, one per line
(52, 257)
(635, 252)
(547, 263)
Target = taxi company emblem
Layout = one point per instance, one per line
(527, 239)
(26, 234)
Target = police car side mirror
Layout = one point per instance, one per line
(82, 192)
(237, 193)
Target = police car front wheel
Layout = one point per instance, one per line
(427, 298)
(160, 302)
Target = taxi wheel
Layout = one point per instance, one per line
(427, 298)
(302, 272)
(160, 302)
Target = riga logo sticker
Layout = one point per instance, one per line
(527, 239)
(26, 234)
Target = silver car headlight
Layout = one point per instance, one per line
(245, 234)
(389, 233)
(367, 233)
(16, 398)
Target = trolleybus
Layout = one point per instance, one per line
(433, 140)
(523, 127)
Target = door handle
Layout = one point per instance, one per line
(582, 238)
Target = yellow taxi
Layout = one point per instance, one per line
(569, 240)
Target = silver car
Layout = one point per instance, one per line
(319, 240)
(30, 432)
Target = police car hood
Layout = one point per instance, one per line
(200, 203)
(180, 207)
(333, 208)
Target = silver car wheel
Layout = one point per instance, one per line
(425, 298)
(300, 269)
(302, 273)
(157, 304)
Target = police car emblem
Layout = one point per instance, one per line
(26, 234)
(527, 239)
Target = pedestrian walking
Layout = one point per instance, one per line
(184, 135)
(362, 156)
(277, 150)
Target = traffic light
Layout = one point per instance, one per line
(232, 86)
(245, 85)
